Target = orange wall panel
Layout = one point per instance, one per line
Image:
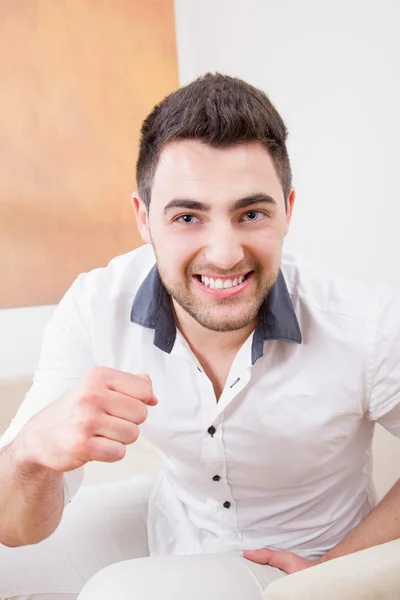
(77, 79)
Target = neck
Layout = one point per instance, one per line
(203, 340)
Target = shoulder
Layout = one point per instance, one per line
(122, 276)
(328, 292)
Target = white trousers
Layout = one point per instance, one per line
(100, 552)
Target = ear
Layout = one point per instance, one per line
(142, 217)
(289, 210)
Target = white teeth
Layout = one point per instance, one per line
(221, 283)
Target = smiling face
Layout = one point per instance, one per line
(217, 221)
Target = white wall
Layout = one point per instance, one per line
(332, 70)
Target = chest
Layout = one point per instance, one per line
(282, 436)
(217, 367)
(294, 409)
(274, 413)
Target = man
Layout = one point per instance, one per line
(258, 377)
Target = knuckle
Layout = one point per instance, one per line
(133, 434)
(149, 389)
(141, 413)
(95, 373)
(85, 397)
(146, 386)
(78, 445)
(86, 423)
(88, 426)
(99, 374)
(89, 395)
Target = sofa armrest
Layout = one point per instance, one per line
(371, 574)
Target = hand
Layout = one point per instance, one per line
(94, 421)
(286, 561)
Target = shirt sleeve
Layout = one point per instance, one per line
(66, 356)
(384, 371)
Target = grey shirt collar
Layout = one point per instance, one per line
(277, 319)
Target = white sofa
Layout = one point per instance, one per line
(373, 574)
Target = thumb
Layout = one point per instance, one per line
(258, 556)
(153, 400)
(266, 556)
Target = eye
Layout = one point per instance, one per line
(254, 215)
(187, 219)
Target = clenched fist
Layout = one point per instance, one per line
(94, 421)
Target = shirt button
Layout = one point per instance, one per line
(227, 504)
(211, 430)
(216, 478)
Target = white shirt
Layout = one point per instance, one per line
(284, 458)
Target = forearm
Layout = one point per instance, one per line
(380, 526)
(31, 499)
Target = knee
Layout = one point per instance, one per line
(173, 578)
(116, 582)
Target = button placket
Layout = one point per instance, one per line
(207, 397)
(213, 454)
(232, 390)
(215, 459)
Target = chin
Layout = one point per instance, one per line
(225, 323)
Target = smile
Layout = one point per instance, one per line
(221, 283)
(223, 287)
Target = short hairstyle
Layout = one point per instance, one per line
(220, 111)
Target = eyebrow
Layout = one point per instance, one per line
(203, 207)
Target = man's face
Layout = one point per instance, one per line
(217, 221)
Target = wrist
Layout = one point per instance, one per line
(324, 558)
(26, 461)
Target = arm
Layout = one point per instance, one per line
(380, 526)
(95, 420)
(371, 573)
(73, 414)
(31, 500)
(383, 406)
(32, 496)
(383, 523)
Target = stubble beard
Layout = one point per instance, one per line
(207, 316)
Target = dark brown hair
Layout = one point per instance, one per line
(217, 110)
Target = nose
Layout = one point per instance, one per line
(224, 248)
